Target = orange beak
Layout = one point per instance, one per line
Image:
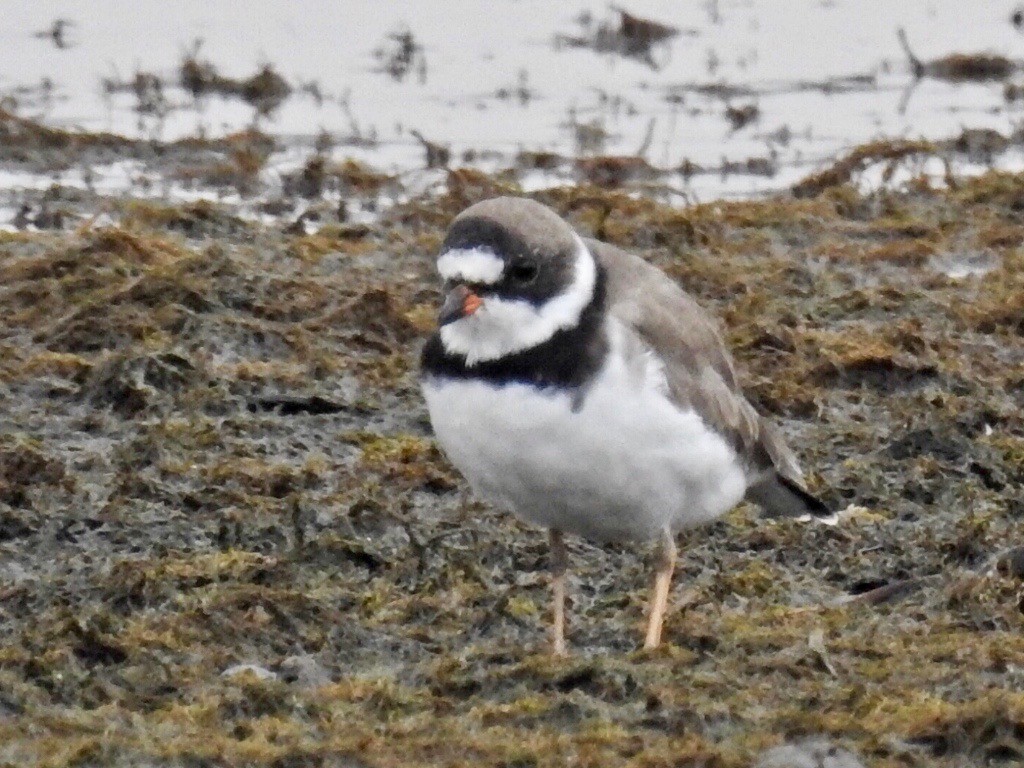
(459, 303)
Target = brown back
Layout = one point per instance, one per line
(698, 369)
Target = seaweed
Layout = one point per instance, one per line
(227, 536)
(844, 169)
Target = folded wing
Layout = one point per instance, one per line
(699, 375)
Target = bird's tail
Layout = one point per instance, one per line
(779, 496)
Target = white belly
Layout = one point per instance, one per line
(626, 465)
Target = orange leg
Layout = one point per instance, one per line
(559, 562)
(666, 562)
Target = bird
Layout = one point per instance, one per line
(578, 386)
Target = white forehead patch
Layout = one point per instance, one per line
(472, 265)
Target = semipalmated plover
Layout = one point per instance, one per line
(577, 385)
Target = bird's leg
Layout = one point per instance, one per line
(559, 562)
(666, 561)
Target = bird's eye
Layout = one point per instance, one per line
(523, 272)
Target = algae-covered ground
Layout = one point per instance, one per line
(227, 537)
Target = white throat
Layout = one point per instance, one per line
(505, 326)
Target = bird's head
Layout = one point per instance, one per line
(514, 275)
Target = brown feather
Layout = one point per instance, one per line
(698, 368)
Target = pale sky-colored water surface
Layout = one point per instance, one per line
(782, 53)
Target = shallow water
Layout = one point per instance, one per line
(493, 79)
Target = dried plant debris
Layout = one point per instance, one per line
(227, 536)
(58, 34)
(977, 145)
(959, 66)
(522, 93)
(349, 178)
(401, 54)
(20, 136)
(235, 160)
(237, 165)
(436, 155)
(627, 35)
(614, 171)
(741, 117)
(844, 170)
(148, 89)
(265, 90)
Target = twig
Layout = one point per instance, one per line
(645, 145)
(915, 63)
(886, 592)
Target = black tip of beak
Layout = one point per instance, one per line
(454, 306)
